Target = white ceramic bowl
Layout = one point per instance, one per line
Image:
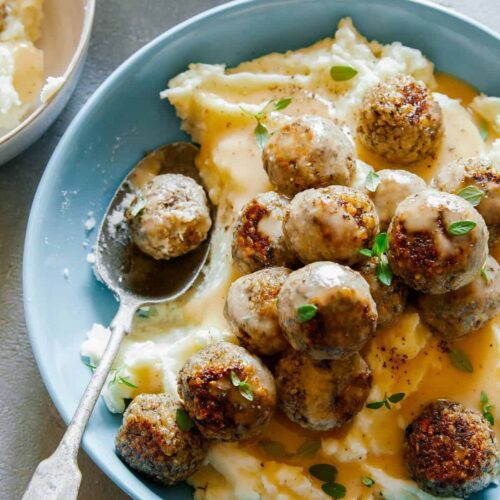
(66, 29)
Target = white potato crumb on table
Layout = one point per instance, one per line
(121, 27)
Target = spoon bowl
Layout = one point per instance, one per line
(125, 269)
(135, 279)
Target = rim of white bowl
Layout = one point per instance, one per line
(73, 65)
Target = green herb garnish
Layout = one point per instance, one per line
(486, 408)
(383, 270)
(261, 133)
(306, 312)
(146, 312)
(335, 490)
(243, 386)
(138, 206)
(342, 73)
(483, 130)
(324, 472)
(460, 360)
(124, 381)
(273, 448)
(366, 252)
(282, 103)
(183, 420)
(485, 276)
(90, 365)
(472, 194)
(394, 398)
(380, 245)
(461, 227)
(309, 448)
(372, 181)
(367, 481)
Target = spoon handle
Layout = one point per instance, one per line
(58, 477)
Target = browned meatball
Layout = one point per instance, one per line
(258, 239)
(169, 216)
(390, 300)
(326, 310)
(309, 152)
(331, 223)
(450, 450)
(252, 313)
(321, 394)
(483, 174)
(229, 394)
(399, 120)
(150, 440)
(424, 252)
(456, 314)
(394, 187)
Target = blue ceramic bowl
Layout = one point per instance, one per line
(125, 118)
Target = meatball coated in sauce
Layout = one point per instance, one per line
(390, 300)
(399, 120)
(450, 450)
(394, 187)
(151, 442)
(169, 216)
(321, 394)
(218, 407)
(252, 313)
(345, 314)
(483, 174)
(258, 239)
(331, 223)
(455, 314)
(309, 152)
(422, 250)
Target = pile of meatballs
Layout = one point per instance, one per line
(311, 296)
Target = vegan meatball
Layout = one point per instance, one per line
(438, 242)
(390, 300)
(450, 450)
(399, 120)
(258, 239)
(326, 311)
(455, 314)
(394, 187)
(462, 175)
(331, 223)
(229, 394)
(169, 216)
(252, 313)
(309, 152)
(150, 440)
(322, 394)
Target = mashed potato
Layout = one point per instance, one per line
(21, 63)
(215, 105)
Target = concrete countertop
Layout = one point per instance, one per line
(30, 427)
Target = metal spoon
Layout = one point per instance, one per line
(136, 280)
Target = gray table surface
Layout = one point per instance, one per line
(30, 427)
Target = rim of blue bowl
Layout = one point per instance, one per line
(29, 265)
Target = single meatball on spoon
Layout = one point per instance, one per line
(135, 279)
